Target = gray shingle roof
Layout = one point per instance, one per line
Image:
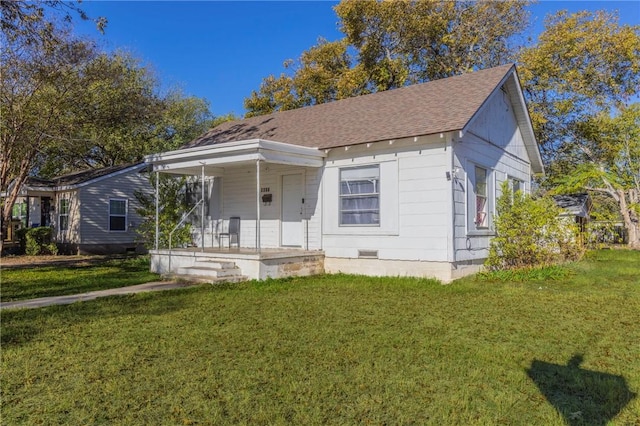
(422, 109)
(76, 177)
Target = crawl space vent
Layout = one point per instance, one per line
(368, 254)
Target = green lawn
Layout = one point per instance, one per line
(76, 277)
(337, 350)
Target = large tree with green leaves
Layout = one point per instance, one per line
(39, 82)
(608, 162)
(389, 44)
(581, 80)
(67, 106)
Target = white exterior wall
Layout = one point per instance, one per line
(494, 142)
(415, 219)
(239, 199)
(94, 207)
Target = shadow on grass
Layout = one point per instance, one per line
(582, 397)
(21, 326)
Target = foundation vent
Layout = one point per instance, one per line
(367, 254)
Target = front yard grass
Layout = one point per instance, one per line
(30, 282)
(337, 349)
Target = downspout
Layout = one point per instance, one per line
(258, 205)
(454, 180)
(202, 210)
(157, 242)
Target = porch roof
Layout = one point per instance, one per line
(215, 158)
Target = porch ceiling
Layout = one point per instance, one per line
(215, 158)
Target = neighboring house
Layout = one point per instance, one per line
(576, 207)
(401, 182)
(92, 211)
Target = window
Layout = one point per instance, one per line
(360, 196)
(19, 212)
(516, 185)
(117, 215)
(481, 192)
(63, 214)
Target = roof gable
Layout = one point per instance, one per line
(421, 109)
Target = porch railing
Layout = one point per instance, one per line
(182, 221)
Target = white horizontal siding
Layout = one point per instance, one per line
(420, 228)
(239, 199)
(494, 142)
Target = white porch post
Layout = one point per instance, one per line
(157, 242)
(202, 211)
(258, 205)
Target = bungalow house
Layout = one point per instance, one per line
(91, 212)
(401, 182)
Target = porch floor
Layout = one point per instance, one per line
(242, 252)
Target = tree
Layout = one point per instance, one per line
(582, 64)
(609, 163)
(66, 106)
(39, 83)
(579, 81)
(173, 204)
(391, 44)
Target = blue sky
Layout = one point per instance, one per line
(221, 50)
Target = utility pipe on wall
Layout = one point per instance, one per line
(157, 242)
(202, 211)
(257, 206)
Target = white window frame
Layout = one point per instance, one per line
(481, 224)
(375, 193)
(125, 215)
(63, 213)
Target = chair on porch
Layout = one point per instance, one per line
(233, 232)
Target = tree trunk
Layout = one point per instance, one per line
(631, 220)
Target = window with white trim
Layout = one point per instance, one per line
(63, 214)
(19, 212)
(360, 196)
(516, 185)
(481, 191)
(117, 215)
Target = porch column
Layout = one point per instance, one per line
(157, 243)
(258, 205)
(202, 211)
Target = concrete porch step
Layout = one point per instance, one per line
(208, 279)
(214, 263)
(209, 271)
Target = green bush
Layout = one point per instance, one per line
(530, 233)
(37, 241)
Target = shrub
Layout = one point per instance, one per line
(36, 241)
(530, 233)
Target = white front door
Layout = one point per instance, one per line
(292, 210)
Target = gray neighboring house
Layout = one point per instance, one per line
(576, 207)
(91, 212)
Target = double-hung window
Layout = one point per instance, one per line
(117, 215)
(516, 185)
(481, 191)
(19, 212)
(360, 196)
(63, 214)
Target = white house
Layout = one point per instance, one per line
(92, 211)
(401, 182)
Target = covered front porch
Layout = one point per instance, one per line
(272, 189)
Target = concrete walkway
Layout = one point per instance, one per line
(65, 300)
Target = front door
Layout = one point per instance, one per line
(292, 210)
